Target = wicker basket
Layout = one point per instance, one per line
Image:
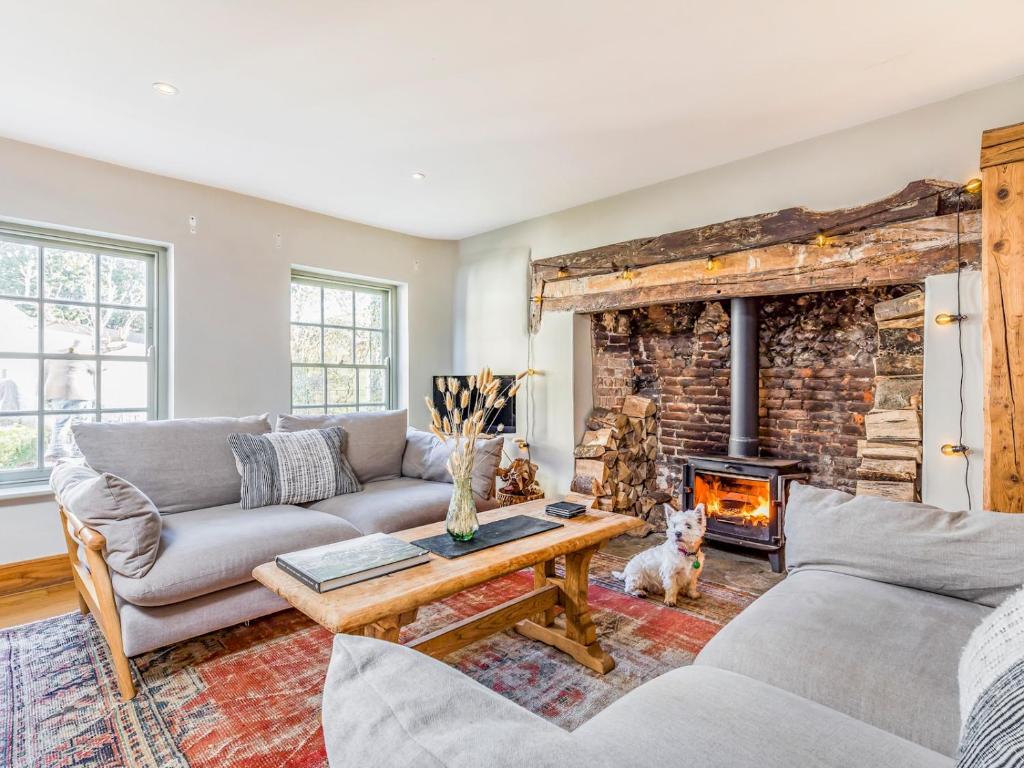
(508, 499)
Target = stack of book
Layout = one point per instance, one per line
(347, 562)
(565, 509)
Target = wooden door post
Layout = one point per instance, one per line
(1002, 266)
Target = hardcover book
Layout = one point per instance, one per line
(347, 562)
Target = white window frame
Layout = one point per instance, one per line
(388, 345)
(155, 258)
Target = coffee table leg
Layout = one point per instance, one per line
(579, 639)
(389, 627)
(541, 573)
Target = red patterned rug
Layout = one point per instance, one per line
(249, 696)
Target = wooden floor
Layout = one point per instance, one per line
(36, 604)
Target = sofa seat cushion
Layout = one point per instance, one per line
(387, 506)
(715, 719)
(204, 550)
(883, 654)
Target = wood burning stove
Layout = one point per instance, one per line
(745, 500)
(743, 493)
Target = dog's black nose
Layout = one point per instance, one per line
(679, 536)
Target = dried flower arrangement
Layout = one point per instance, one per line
(468, 414)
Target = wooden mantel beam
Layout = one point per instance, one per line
(906, 252)
(1002, 163)
(919, 199)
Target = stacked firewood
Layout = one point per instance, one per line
(615, 460)
(891, 454)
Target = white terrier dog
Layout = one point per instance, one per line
(674, 565)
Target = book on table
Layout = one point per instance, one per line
(346, 562)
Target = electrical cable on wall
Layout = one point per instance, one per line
(960, 347)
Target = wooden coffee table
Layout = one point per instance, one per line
(381, 607)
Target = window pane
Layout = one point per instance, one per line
(60, 443)
(69, 385)
(19, 326)
(342, 409)
(123, 332)
(337, 345)
(69, 275)
(69, 329)
(19, 384)
(369, 347)
(371, 386)
(305, 303)
(307, 385)
(122, 281)
(124, 418)
(369, 310)
(124, 384)
(19, 440)
(341, 386)
(305, 344)
(365, 408)
(307, 411)
(337, 307)
(19, 269)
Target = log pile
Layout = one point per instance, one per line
(891, 454)
(615, 461)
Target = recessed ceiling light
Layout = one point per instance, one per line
(165, 89)
(419, 175)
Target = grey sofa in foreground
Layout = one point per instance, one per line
(201, 579)
(851, 661)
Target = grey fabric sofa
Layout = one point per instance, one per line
(201, 579)
(826, 669)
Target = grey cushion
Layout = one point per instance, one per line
(205, 550)
(426, 458)
(389, 706)
(881, 653)
(709, 718)
(292, 467)
(115, 508)
(146, 629)
(975, 556)
(387, 506)
(376, 439)
(180, 465)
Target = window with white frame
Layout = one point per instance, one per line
(78, 342)
(341, 345)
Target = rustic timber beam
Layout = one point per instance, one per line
(905, 252)
(919, 199)
(1002, 164)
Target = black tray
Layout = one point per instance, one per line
(489, 535)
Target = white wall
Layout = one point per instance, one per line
(229, 286)
(841, 169)
(943, 477)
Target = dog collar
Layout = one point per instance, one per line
(687, 552)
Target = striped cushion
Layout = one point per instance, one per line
(292, 467)
(992, 690)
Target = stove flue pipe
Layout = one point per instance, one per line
(744, 357)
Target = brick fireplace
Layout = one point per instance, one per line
(817, 357)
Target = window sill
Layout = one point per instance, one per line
(27, 491)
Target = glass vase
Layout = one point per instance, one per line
(461, 522)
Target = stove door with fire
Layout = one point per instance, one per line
(737, 507)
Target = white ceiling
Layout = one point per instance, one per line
(513, 109)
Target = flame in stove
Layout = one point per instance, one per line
(737, 500)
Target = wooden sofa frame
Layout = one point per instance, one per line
(96, 593)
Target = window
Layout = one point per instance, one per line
(341, 345)
(78, 338)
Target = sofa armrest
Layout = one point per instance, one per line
(388, 705)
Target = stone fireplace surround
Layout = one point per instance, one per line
(817, 376)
